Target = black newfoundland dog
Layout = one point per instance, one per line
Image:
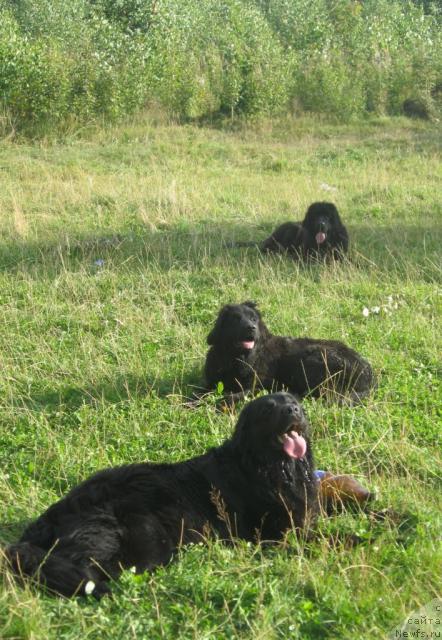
(320, 235)
(256, 486)
(245, 356)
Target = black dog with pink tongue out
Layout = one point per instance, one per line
(320, 235)
(256, 486)
(244, 356)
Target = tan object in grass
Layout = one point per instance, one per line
(339, 490)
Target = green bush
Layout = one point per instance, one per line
(353, 58)
(57, 64)
(89, 59)
(216, 57)
(131, 15)
(34, 82)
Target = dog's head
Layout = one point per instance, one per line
(237, 328)
(321, 221)
(274, 427)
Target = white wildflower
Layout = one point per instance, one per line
(89, 587)
(327, 187)
(365, 312)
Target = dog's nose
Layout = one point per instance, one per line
(293, 410)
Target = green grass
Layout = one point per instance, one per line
(95, 358)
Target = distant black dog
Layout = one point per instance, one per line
(245, 356)
(321, 234)
(256, 486)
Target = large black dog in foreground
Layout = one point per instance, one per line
(255, 486)
(245, 356)
(320, 235)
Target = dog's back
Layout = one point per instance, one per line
(308, 366)
(287, 238)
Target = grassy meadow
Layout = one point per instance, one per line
(113, 265)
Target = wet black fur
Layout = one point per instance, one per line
(138, 515)
(301, 365)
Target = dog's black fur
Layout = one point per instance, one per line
(138, 515)
(301, 239)
(245, 356)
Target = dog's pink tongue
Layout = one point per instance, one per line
(294, 445)
(320, 237)
(248, 344)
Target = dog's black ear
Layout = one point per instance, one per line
(250, 303)
(334, 214)
(239, 434)
(310, 215)
(215, 335)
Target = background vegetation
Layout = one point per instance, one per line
(113, 266)
(67, 63)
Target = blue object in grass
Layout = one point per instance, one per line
(319, 474)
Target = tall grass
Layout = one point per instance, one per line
(113, 265)
(66, 63)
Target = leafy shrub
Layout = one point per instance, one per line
(131, 15)
(33, 79)
(353, 57)
(85, 59)
(216, 57)
(57, 63)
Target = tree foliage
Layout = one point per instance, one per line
(107, 58)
